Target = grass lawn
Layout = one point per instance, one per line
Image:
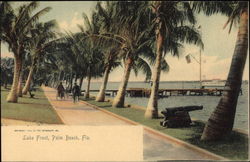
(37, 109)
(234, 147)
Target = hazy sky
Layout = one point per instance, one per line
(216, 56)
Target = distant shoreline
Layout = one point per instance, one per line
(194, 81)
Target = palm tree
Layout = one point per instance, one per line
(134, 35)
(88, 59)
(20, 79)
(41, 37)
(46, 72)
(92, 55)
(15, 30)
(55, 62)
(64, 60)
(221, 120)
(7, 68)
(170, 32)
(111, 62)
(6, 16)
(111, 48)
(69, 58)
(94, 64)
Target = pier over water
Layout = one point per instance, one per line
(145, 92)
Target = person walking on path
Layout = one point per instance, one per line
(76, 92)
(60, 90)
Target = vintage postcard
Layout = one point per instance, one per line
(124, 80)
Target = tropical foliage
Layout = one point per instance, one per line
(42, 36)
(15, 32)
(173, 24)
(221, 120)
(132, 34)
(7, 68)
(132, 31)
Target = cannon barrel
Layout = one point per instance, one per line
(178, 116)
(172, 110)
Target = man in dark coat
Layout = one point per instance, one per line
(60, 90)
(76, 92)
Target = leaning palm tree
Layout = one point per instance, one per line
(170, 31)
(93, 59)
(132, 37)
(82, 50)
(20, 79)
(111, 61)
(135, 37)
(64, 59)
(55, 61)
(41, 37)
(92, 55)
(46, 72)
(71, 51)
(221, 120)
(15, 30)
(111, 48)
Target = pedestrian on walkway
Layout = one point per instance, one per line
(76, 92)
(60, 91)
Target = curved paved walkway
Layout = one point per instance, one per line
(154, 147)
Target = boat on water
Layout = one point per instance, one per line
(215, 83)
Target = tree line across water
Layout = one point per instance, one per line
(134, 35)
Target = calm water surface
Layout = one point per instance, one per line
(208, 102)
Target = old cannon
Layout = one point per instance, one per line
(178, 116)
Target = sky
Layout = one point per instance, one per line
(216, 56)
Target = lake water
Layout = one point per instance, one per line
(208, 102)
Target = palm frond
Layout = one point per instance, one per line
(164, 66)
(210, 7)
(27, 10)
(188, 34)
(144, 67)
(190, 13)
(34, 18)
(87, 22)
(81, 28)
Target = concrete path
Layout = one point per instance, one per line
(154, 147)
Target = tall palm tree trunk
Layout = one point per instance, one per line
(221, 120)
(6, 83)
(67, 80)
(76, 78)
(28, 81)
(62, 75)
(152, 107)
(120, 97)
(20, 85)
(88, 86)
(81, 81)
(54, 79)
(58, 80)
(12, 96)
(101, 95)
(71, 82)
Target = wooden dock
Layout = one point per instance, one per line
(145, 92)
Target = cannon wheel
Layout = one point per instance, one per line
(164, 123)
